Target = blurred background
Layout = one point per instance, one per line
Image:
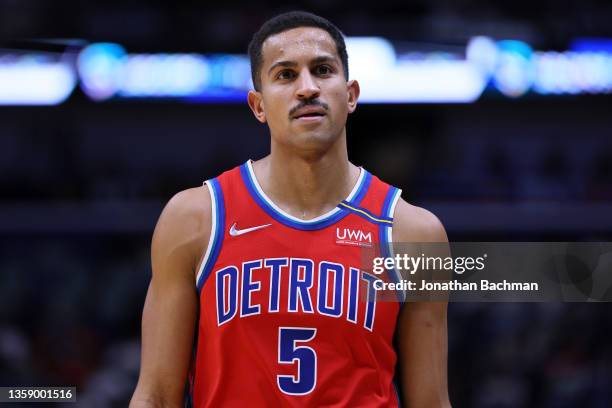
(496, 117)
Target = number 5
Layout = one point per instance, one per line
(289, 352)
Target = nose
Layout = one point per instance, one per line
(307, 86)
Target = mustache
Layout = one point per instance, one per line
(308, 102)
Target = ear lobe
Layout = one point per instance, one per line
(255, 101)
(353, 90)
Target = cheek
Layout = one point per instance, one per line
(340, 101)
(277, 108)
(271, 111)
(340, 94)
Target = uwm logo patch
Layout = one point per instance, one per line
(353, 237)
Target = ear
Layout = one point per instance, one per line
(256, 104)
(352, 87)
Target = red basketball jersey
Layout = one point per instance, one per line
(288, 311)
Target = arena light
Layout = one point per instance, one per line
(170, 75)
(100, 68)
(573, 72)
(108, 71)
(586, 44)
(385, 78)
(32, 79)
(513, 73)
(425, 82)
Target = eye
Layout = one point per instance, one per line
(323, 70)
(285, 74)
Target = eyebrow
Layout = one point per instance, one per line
(289, 64)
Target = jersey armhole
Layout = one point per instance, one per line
(386, 234)
(216, 232)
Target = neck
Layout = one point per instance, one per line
(307, 185)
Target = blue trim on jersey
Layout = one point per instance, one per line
(361, 190)
(218, 232)
(389, 198)
(383, 232)
(304, 225)
(396, 388)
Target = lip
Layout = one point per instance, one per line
(309, 119)
(299, 114)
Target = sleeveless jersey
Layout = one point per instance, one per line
(288, 310)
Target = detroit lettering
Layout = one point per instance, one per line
(331, 277)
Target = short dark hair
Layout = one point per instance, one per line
(288, 21)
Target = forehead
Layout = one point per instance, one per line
(297, 43)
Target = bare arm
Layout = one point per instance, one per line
(170, 310)
(422, 332)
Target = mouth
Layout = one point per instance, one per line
(309, 114)
(313, 115)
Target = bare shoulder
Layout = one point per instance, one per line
(183, 229)
(416, 224)
(189, 208)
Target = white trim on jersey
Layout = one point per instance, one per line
(389, 231)
(328, 214)
(211, 239)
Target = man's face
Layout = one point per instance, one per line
(304, 96)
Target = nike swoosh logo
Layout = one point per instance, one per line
(234, 232)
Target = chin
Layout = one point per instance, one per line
(314, 141)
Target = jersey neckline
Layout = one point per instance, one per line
(322, 221)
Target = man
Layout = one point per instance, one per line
(260, 269)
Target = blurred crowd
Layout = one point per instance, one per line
(70, 311)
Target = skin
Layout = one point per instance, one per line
(307, 173)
